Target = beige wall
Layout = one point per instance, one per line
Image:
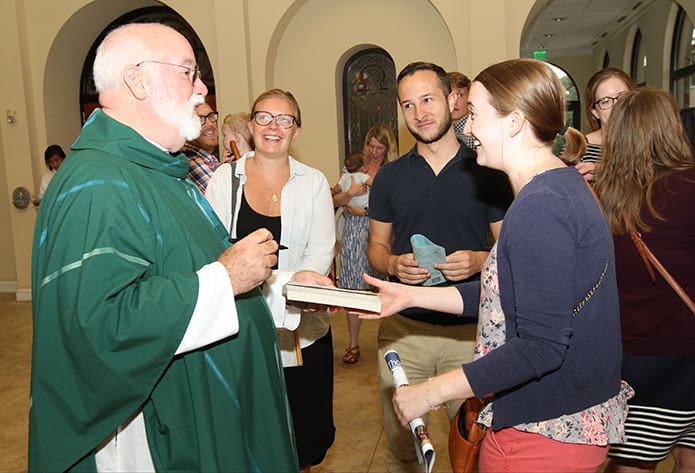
(252, 44)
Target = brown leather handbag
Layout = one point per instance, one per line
(464, 447)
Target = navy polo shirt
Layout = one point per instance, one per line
(453, 209)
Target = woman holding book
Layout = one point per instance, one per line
(548, 349)
(271, 189)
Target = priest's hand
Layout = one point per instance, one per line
(249, 261)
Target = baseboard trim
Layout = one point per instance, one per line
(11, 286)
(8, 286)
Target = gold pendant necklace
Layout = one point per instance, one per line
(274, 197)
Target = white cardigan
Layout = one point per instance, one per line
(308, 231)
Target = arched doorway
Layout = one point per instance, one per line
(89, 99)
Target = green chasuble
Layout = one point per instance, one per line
(119, 236)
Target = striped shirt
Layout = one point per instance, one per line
(593, 153)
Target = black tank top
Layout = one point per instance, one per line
(249, 221)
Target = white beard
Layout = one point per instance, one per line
(183, 118)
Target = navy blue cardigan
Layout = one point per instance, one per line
(552, 249)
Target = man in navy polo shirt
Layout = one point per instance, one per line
(438, 190)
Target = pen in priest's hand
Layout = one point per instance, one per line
(280, 247)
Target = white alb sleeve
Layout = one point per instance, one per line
(214, 315)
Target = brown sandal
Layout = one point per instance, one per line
(352, 354)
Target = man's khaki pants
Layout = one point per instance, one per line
(425, 350)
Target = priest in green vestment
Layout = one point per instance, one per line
(153, 348)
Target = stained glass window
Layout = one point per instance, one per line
(369, 96)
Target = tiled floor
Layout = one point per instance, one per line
(359, 445)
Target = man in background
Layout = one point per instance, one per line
(460, 86)
(437, 190)
(202, 152)
(153, 349)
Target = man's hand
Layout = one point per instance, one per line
(406, 269)
(249, 261)
(462, 264)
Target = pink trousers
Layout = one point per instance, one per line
(513, 451)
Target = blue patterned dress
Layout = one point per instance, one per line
(353, 253)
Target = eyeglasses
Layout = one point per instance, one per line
(606, 103)
(193, 73)
(283, 120)
(212, 116)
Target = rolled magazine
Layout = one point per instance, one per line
(423, 444)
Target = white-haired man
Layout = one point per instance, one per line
(153, 348)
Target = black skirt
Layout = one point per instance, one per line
(310, 394)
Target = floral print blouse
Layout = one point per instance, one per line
(601, 424)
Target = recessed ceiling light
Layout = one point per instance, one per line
(548, 35)
(559, 18)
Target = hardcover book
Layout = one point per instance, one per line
(333, 296)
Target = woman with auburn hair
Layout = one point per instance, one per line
(547, 355)
(646, 181)
(604, 88)
(379, 147)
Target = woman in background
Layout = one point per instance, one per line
(379, 148)
(293, 201)
(646, 181)
(604, 88)
(548, 351)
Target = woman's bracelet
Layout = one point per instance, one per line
(432, 407)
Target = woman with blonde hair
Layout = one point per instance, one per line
(379, 148)
(271, 189)
(547, 355)
(235, 128)
(646, 181)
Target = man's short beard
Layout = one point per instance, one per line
(437, 136)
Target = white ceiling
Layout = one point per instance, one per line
(588, 22)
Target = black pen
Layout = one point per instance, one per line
(280, 247)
